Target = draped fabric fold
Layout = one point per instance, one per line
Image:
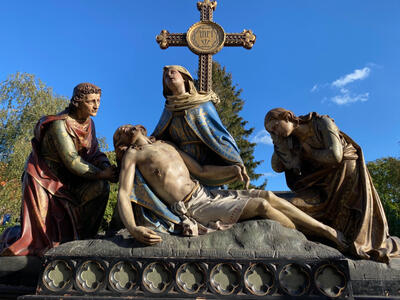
(204, 121)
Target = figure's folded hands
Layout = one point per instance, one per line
(307, 148)
(276, 139)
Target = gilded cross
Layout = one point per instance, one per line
(206, 38)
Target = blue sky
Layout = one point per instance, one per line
(339, 58)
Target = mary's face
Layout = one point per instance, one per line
(174, 80)
(280, 127)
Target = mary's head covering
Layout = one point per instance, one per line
(189, 99)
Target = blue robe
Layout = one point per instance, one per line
(201, 127)
(152, 210)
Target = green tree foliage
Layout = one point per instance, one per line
(385, 173)
(228, 109)
(23, 100)
(112, 199)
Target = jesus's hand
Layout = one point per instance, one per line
(146, 235)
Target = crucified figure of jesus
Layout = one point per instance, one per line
(169, 172)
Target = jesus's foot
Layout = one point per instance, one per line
(342, 243)
(338, 238)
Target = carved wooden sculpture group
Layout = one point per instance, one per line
(171, 181)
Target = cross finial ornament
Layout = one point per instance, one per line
(206, 38)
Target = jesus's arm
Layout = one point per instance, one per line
(126, 177)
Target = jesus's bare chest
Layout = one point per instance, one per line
(159, 157)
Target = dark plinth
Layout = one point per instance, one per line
(19, 275)
(252, 260)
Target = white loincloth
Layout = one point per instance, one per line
(210, 210)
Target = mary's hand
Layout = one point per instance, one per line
(241, 174)
(245, 176)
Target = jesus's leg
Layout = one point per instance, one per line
(259, 207)
(300, 218)
(270, 206)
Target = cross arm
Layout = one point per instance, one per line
(244, 39)
(166, 39)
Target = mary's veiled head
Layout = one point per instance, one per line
(169, 81)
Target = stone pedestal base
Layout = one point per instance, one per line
(253, 260)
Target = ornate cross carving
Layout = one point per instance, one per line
(206, 38)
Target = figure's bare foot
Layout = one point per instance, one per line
(343, 244)
(338, 238)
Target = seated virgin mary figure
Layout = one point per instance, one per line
(191, 122)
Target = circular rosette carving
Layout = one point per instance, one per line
(294, 279)
(157, 277)
(123, 276)
(225, 278)
(205, 37)
(191, 278)
(249, 39)
(259, 279)
(90, 276)
(162, 39)
(330, 281)
(58, 276)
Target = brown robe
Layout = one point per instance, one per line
(340, 195)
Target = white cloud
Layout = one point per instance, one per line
(358, 74)
(318, 87)
(314, 88)
(268, 174)
(346, 98)
(344, 92)
(262, 137)
(374, 65)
